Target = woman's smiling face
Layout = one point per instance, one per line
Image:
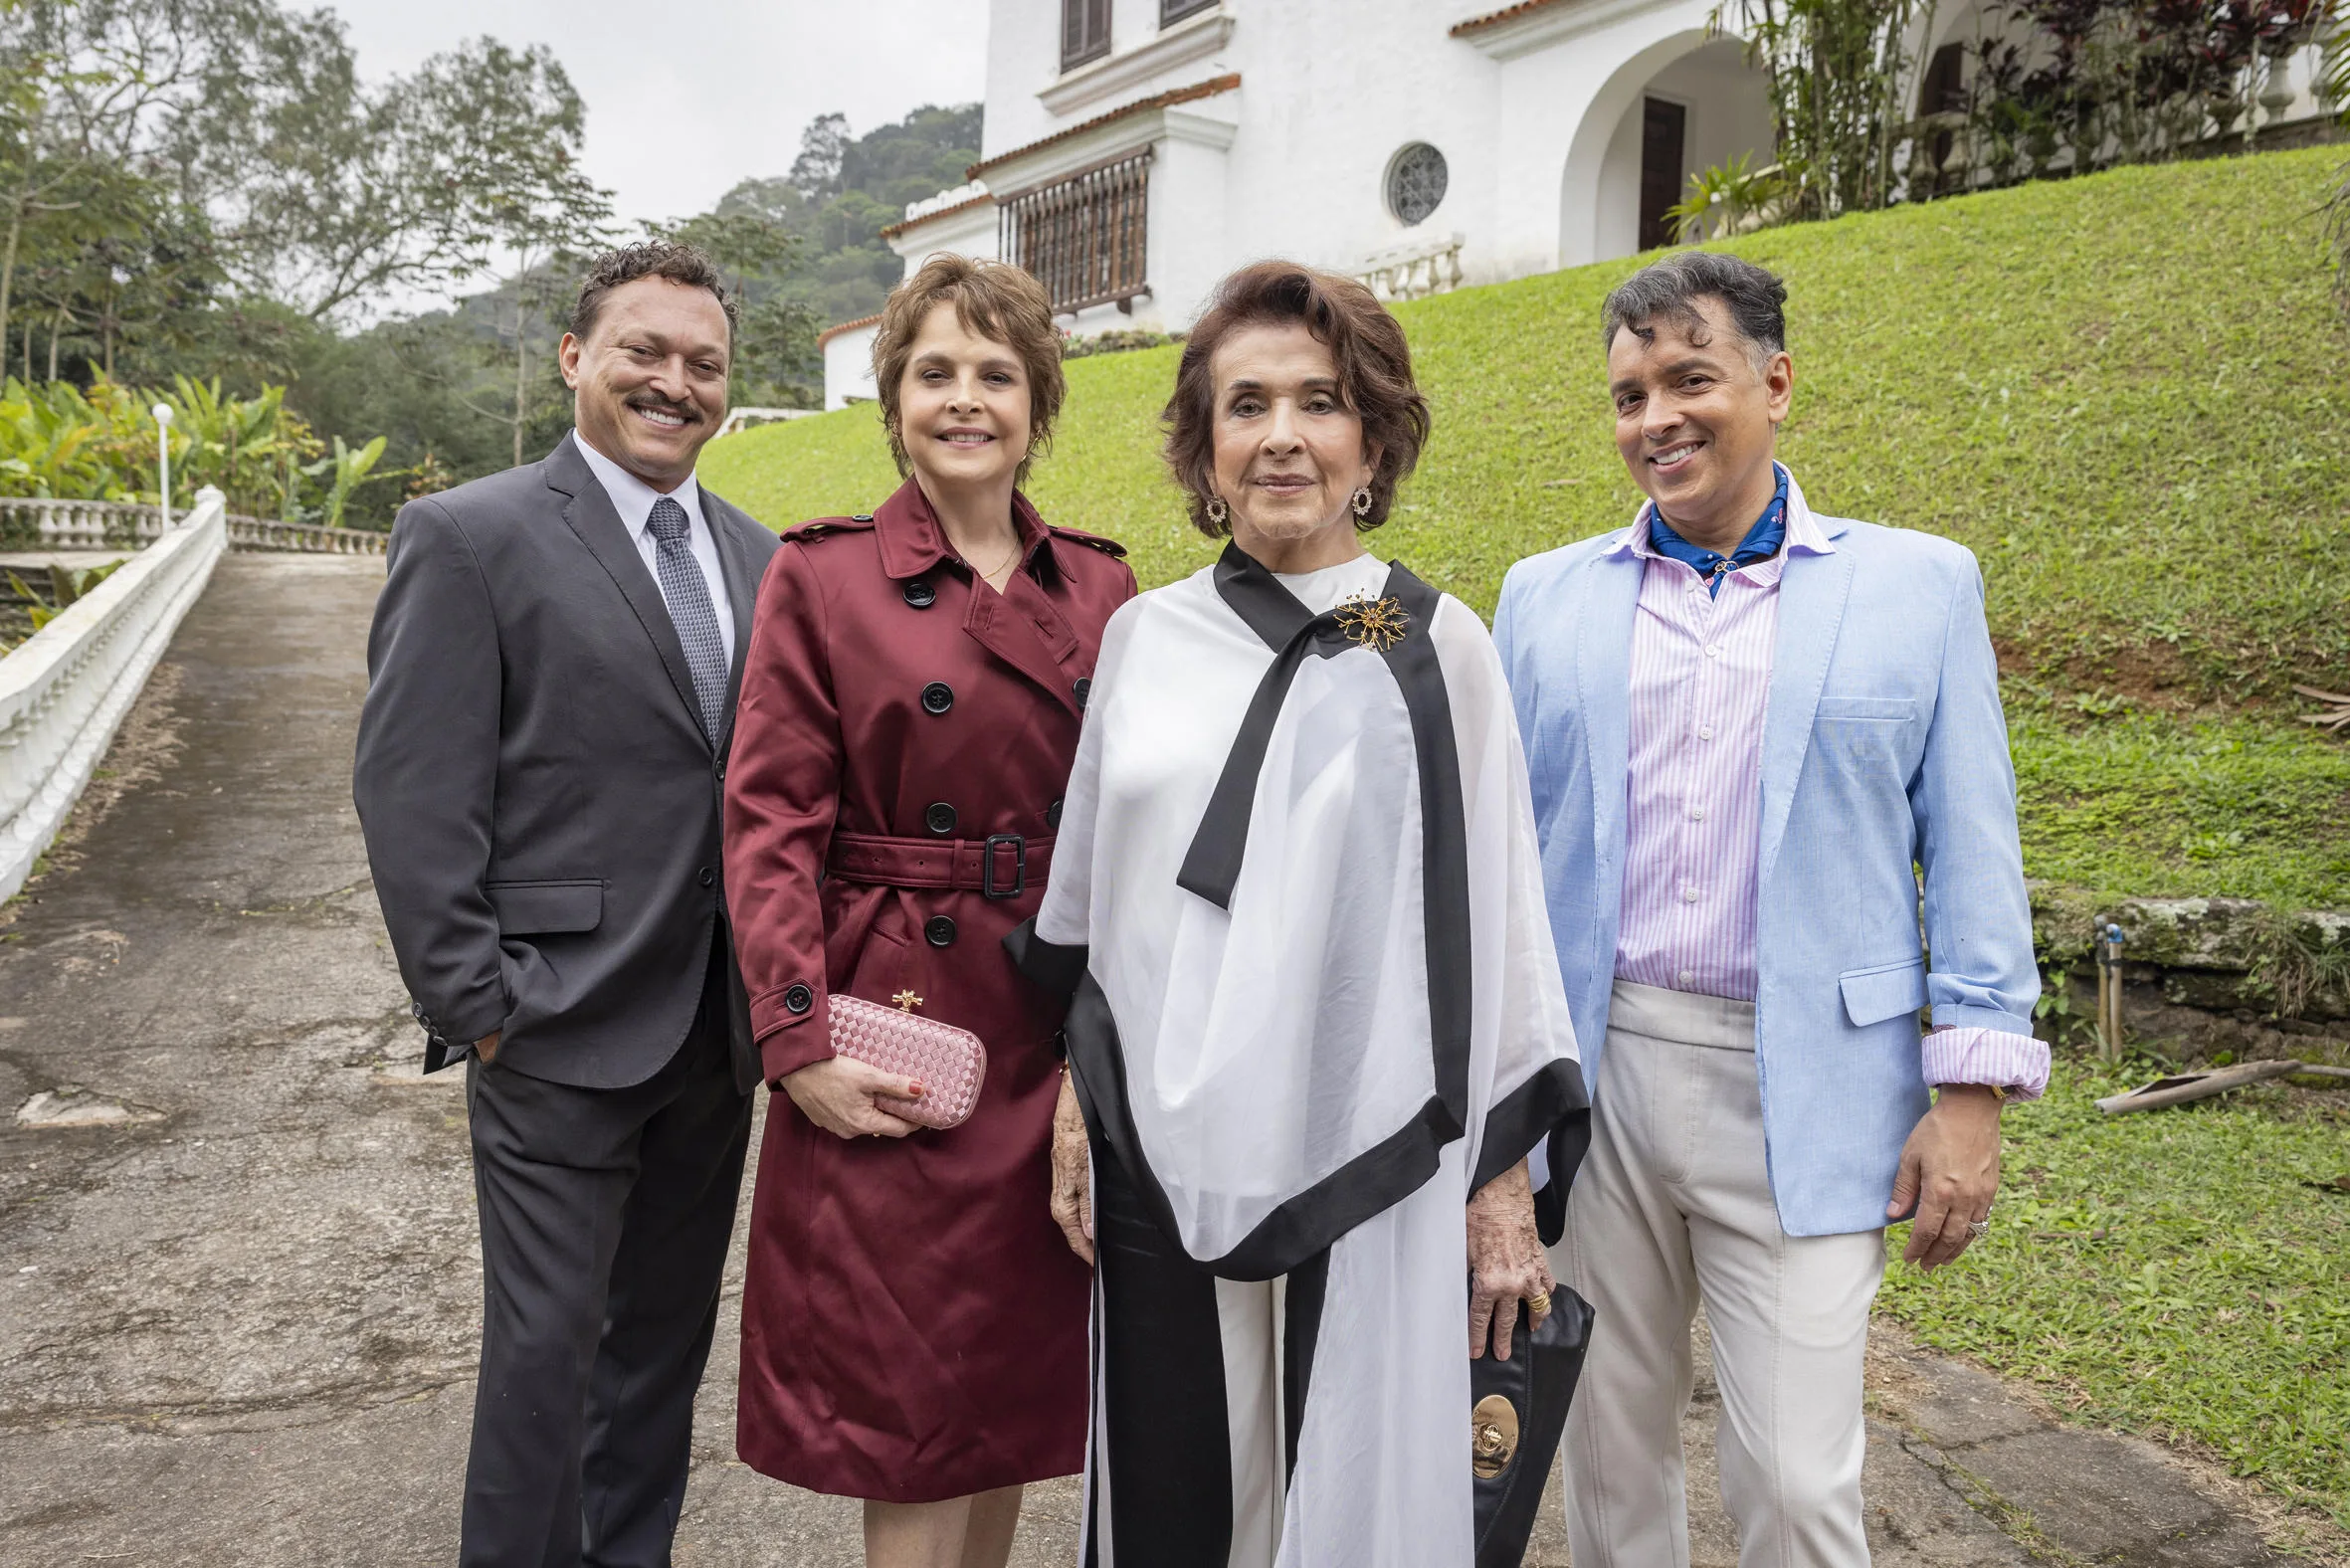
(1288, 451)
(962, 404)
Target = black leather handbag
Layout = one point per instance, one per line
(1517, 1413)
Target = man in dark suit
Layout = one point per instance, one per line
(541, 758)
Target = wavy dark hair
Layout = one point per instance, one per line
(1365, 341)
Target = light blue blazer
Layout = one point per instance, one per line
(1883, 751)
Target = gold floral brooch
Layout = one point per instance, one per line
(1373, 622)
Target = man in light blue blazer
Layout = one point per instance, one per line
(1757, 734)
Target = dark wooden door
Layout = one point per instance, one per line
(1663, 136)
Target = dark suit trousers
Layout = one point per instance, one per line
(605, 1220)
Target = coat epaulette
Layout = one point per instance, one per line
(818, 528)
(1109, 547)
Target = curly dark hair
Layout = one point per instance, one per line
(1373, 376)
(680, 264)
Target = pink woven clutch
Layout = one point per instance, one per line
(949, 1062)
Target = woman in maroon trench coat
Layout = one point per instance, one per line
(914, 1327)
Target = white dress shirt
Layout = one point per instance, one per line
(633, 499)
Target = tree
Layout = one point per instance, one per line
(328, 194)
(816, 173)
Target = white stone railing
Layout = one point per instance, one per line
(64, 690)
(40, 524)
(1414, 271)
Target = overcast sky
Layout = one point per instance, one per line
(686, 98)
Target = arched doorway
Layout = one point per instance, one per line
(1685, 103)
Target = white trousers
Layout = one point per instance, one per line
(1673, 1206)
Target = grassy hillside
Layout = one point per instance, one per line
(2125, 393)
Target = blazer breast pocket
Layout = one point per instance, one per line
(1867, 738)
(1876, 710)
(542, 908)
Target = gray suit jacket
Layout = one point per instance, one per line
(540, 805)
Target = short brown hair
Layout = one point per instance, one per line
(680, 264)
(1373, 376)
(994, 300)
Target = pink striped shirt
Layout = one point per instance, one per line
(1700, 688)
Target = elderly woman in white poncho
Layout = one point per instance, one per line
(1317, 1028)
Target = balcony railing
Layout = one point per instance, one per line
(1084, 237)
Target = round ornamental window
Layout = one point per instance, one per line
(1416, 182)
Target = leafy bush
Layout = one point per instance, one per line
(57, 441)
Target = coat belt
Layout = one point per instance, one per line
(1001, 866)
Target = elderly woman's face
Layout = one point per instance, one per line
(1289, 453)
(962, 403)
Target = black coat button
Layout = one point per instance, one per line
(1083, 690)
(710, 878)
(798, 999)
(1053, 816)
(920, 594)
(939, 930)
(940, 818)
(937, 698)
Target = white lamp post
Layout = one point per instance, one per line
(163, 459)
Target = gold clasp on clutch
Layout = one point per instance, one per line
(1493, 1436)
(907, 1001)
(1373, 622)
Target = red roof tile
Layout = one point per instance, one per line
(1477, 24)
(1167, 99)
(831, 333)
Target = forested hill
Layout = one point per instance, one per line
(842, 192)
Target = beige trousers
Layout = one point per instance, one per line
(1671, 1206)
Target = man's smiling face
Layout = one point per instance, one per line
(649, 379)
(1695, 413)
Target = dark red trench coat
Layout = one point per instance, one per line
(913, 1325)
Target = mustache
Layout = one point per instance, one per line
(684, 410)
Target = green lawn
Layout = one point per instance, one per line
(2183, 1272)
(2125, 393)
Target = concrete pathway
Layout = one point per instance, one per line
(239, 1286)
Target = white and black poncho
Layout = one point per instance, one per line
(1296, 896)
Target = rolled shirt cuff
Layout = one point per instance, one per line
(1963, 1053)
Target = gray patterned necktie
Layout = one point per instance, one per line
(688, 594)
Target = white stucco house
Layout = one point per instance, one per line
(1137, 151)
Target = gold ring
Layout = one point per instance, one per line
(1539, 1305)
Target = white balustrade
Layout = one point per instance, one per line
(1413, 272)
(40, 523)
(64, 690)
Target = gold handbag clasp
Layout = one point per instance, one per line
(1493, 1436)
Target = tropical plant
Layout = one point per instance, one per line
(346, 469)
(237, 445)
(1838, 73)
(66, 585)
(1727, 199)
(56, 440)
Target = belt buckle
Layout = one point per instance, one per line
(987, 866)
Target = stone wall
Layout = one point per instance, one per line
(2205, 976)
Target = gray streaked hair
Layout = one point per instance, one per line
(1754, 299)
